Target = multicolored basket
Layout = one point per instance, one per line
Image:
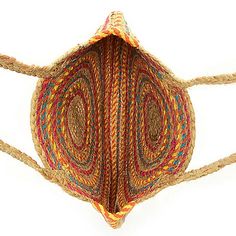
(111, 124)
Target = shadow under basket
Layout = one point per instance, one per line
(111, 124)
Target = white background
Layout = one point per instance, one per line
(193, 38)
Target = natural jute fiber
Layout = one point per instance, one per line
(111, 124)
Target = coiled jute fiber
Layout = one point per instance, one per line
(112, 124)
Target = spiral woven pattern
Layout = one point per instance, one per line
(114, 120)
(111, 124)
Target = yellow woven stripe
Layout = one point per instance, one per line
(113, 31)
(100, 35)
(113, 218)
(107, 215)
(120, 33)
(126, 209)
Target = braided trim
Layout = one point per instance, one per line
(206, 170)
(216, 79)
(55, 176)
(12, 64)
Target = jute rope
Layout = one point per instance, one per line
(206, 170)
(217, 79)
(11, 63)
(58, 176)
(55, 176)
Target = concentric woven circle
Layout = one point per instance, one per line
(115, 121)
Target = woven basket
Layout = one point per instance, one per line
(111, 124)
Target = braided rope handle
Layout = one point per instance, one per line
(12, 64)
(217, 165)
(58, 176)
(55, 176)
(210, 80)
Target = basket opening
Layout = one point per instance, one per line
(115, 121)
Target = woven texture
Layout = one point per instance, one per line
(111, 124)
(113, 120)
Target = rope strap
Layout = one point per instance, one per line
(216, 79)
(11, 63)
(206, 170)
(55, 176)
